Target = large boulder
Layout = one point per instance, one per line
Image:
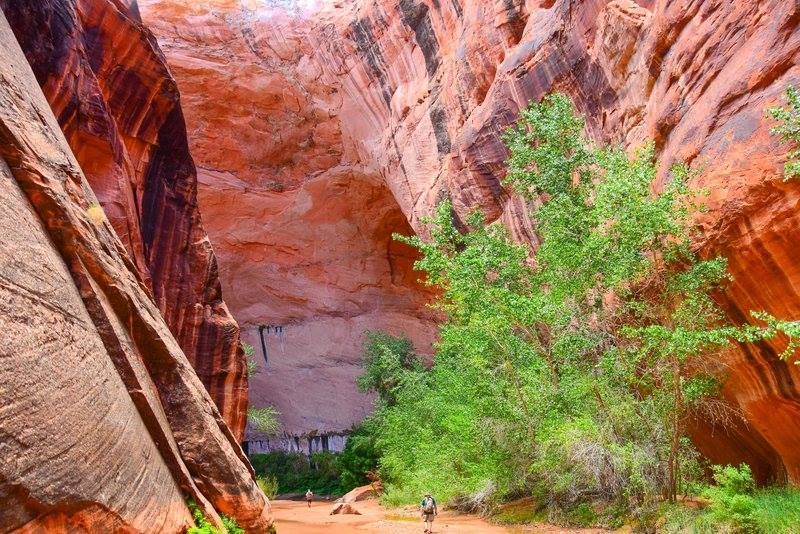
(361, 493)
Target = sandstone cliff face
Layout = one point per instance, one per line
(109, 86)
(414, 94)
(105, 426)
(302, 228)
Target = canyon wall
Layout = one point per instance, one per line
(119, 108)
(301, 112)
(302, 227)
(104, 425)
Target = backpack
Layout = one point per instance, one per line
(428, 505)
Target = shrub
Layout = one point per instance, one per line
(788, 130)
(732, 503)
(777, 510)
(203, 526)
(295, 472)
(736, 507)
(358, 462)
(386, 362)
(265, 419)
(269, 485)
(249, 353)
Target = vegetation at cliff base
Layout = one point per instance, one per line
(203, 526)
(294, 472)
(325, 473)
(568, 371)
(735, 505)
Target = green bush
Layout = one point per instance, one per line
(358, 462)
(736, 507)
(732, 504)
(295, 472)
(777, 510)
(387, 361)
(265, 419)
(788, 130)
(231, 526)
(269, 485)
(249, 354)
(203, 526)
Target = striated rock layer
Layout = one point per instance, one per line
(302, 228)
(105, 426)
(413, 94)
(109, 86)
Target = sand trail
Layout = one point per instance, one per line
(293, 517)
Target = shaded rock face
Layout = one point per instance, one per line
(413, 94)
(104, 423)
(119, 108)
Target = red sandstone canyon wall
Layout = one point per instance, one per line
(301, 224)
(411, 96)
(105, 426)
(114, 97)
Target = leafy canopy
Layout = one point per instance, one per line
(788, 130)
(571, 368)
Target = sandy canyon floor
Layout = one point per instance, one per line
(295, 517)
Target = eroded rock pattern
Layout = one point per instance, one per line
(302, 228)
(104, 425)
(414, 94)
(119, 108)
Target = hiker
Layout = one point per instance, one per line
(429, 510)
(309, 497)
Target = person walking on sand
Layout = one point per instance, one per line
(309, 497)
(429, 511)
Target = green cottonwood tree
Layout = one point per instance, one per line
(571, 369)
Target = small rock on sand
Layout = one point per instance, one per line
(344, 508)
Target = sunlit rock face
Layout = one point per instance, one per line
(412, 95)
(105, 426)
(302, 224)
(108, 85)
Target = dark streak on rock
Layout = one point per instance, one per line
(93, 44)
(168, 186)
(417, 17)
(439, 121)
(516, 18)
(457, 8)
(48, 49)
(368, 49)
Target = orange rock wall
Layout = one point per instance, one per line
(105, 426)
(108, 85)
(414, 94)
(302, 226)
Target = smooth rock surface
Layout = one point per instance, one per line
(108, 84)
(104, 425)
(301, 227)
(413, 95)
